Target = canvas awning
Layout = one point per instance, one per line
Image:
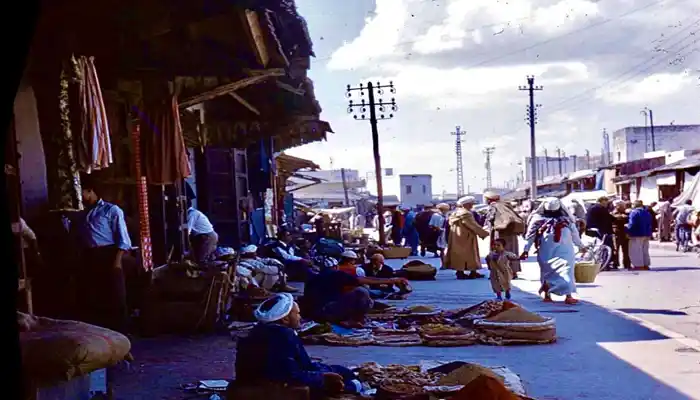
(287, 164)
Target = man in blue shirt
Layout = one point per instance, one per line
(104, 239)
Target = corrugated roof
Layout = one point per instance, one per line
(686, 163)
(585, 173)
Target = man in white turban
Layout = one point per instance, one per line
(273, 353)
(267, 273)
(463, 245)
(503, 222)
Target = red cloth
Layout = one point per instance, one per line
(165, 158)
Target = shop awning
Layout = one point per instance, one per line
(287, 164)
(583, 174)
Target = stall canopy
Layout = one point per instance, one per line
(336, 211)
(692, 192)
(288, 165)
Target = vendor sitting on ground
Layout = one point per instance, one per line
(268, 273)
(339, 297)
(273, 353)
(348, 264)
(297, 268)
(376, 268)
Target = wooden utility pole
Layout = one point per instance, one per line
(532, 121)
(371, 106)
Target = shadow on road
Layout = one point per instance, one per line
(674, 269)
(657, 312)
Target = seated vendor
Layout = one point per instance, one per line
(203, 239)
(376, 268)
(348, 264)
(297, 268)
(268, 273)
(273, 352)
(339, 297)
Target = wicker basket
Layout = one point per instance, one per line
(586, 271)
(394, 252)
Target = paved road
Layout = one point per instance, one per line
(667, 296)
(602, 353)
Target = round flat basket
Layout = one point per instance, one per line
(586, 271)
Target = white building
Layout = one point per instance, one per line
(335, 175)
(551, 166)
(632, 143)
(416, 190)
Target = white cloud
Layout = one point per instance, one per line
(653, 87)
(467, 88)
(379, 37)
(452, 32)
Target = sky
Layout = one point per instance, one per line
(461, 62)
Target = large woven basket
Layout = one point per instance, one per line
(586, 271)
(393, 252)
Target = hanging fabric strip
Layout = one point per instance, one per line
(95, 149)
(142, 192)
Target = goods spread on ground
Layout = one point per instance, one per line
(440, 381)
(491, 322)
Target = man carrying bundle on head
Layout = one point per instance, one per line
(273, 353)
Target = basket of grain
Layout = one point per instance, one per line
(417, 270)
(394, 252)
(517, 325)
(586, 271)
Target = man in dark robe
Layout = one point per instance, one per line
(273, 353)
(422, 223)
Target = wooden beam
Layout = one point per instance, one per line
(258, 37)
(228, 88)
(244, 102)
(291, 88)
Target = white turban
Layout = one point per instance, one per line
(284, 302)
(466, 200)
(251, 248)
(617, 203)
(552, 204)
(491, 195)
(443, 206)
(349, 254)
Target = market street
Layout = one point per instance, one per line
(600, 354)
(666, 296)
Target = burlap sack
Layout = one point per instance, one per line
(54, 351)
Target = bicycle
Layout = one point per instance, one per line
(598, 252)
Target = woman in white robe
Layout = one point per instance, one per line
(553, 232)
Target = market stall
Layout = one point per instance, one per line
(490, 323)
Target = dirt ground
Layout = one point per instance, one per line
(164, 363)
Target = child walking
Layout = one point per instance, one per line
(498, 262)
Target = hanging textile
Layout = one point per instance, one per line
(94, 150)
(65, 191)
(142, 193)
(164, 153)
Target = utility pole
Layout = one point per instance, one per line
(488, 152)
(372, 106)
(606, 148)
(345, 186)
(559, 159)
(460, 166)
(546, 162)
(588, 159)
(649, 114)
(532, 121)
